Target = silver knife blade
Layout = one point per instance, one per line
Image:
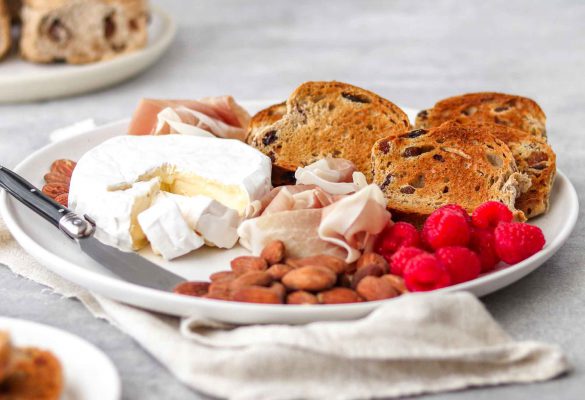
(129, 266)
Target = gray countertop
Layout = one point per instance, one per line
(413, 53)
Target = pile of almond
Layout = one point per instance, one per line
(272, 278)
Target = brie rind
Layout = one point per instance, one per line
(167, 231)
(120, 178)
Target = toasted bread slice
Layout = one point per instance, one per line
(534, 158)
(5, 29)
(422, 170)
(264, 118)
(5, 353)
(496, 108)
(33, 374)
(330, 119)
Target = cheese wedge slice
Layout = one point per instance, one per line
(118, 180)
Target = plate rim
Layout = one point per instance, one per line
(116, 384)
(106, 283)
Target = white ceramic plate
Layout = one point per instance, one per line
(89, 374)
(63, 257)
(25, 81)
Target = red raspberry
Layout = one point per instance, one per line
(399, 259)
(425, 272)
(457, 208)
(483, 244)
(490, 213)
(463, 264)
(396, 236)
(445, 227)
(517, 241)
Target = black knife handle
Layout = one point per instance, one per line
(32, 197)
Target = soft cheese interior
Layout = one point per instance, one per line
(174, 191)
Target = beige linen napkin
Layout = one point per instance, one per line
(415, 344)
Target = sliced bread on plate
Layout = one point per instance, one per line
(329, 119)
(264, 118)
(424, 169)
(488, 107)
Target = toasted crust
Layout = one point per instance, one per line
(329, 119)
(487, 107)
(82, 31)
(422, 170)
(534, 158)
(34, 374)
(5, 34)
(5, 353)
(264, 118)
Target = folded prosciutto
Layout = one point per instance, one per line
(334, 175)
(217, 116)
(353, 222)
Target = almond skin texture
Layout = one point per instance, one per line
(301, 297)
(192, 288)
(370, 270)
(273, 253)
(278, 271)
(222, 276)
(244, 264)
(53, 177)
(372, 259)
(251, 278)
(257, 294)
(219, 290)
(55, 189)
(374, 288)
(397, 282)
(63, 199)
(63, 167)
(338, 295)
(312, 278)
(335, 264)
(279, 289)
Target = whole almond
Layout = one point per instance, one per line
(63, 199)
(222, 276)
(335, 264)
(53, 177)
(374, 288)
(372, 259)
(192, 288)
(301, 297)
(248, 263)
(273, 253)
(277, 271)
(397, 282)
(370, 270)
(55, 189)
(63, 167)
(219, 290)
(313, 278)
(257, 294)
(279, 289)
(338, 295)
(251, 278)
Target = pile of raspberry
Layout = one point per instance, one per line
(453, 247)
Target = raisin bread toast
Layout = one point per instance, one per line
(82, 31)
(329, 119)
(263, 118)
(497, 108)
(422, 170)
(5, 33)
(534, 158)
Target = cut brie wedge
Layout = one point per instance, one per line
(121, 178)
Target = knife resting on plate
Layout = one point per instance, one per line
(128, 266)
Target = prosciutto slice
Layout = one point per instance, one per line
(297, 229)
(334, 175)
(353, 222)
(219, 116)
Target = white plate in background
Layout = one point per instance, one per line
(21, 80)
(63, 257)
(88, 372)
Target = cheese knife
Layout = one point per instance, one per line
(128, 266)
